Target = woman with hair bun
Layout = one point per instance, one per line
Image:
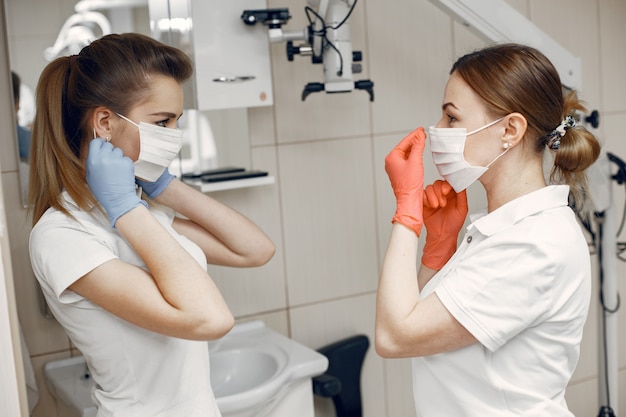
(495, 325)
(119, 245)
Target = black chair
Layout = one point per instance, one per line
(342, 380)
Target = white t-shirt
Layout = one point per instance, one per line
(520, 283)
(138, 373)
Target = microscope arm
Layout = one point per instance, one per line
(327, 41)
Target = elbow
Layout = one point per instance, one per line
(267, 254)
(381, 349)
(390, 344)
(212, 328)
(386, 348)
(223, 326)
(262, 255)
(401, 342)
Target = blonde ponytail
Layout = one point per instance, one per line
(54, 166)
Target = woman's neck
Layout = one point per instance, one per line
(513, 182)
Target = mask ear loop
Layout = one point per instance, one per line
(106, 138)
(127, 119)
(485, 126)
(506, 148)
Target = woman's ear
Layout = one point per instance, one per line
(101, 122)
(514, 129)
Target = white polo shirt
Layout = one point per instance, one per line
(138, 373)
(520, 283)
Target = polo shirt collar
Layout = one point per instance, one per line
(67, 201)
(510, 213)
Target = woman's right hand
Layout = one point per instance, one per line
(444, 215)
(154, 189)
(111, 178)
(406, 173)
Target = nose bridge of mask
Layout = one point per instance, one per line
(157, 133)
(451, 148)
(159, 145)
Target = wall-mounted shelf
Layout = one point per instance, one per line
(207, 187)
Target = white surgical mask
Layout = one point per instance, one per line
(446, 146)
(158, 146)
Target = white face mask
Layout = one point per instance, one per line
(158, 146)
(447, 145)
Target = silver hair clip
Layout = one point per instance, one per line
(554, 137)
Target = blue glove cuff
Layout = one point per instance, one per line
(154, 189)
(121, 211)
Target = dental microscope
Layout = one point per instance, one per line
(326, 40)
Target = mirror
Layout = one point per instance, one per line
(33, 33)
(23, 104)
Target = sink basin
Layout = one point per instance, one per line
(239, 370)
(253, 368)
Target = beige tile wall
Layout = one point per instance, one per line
(329, 210)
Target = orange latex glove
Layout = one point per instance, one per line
(444, 215)
(406, 173)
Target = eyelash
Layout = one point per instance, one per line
(451, 119)
(162, 123)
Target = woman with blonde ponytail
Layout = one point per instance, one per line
(495, 325)
(119, 245)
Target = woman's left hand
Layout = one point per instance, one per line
(444, 214)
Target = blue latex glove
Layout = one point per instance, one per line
(111, 178)
(154, 189)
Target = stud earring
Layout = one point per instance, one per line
(506, 145)
(107, 138)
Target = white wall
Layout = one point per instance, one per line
(329, 212)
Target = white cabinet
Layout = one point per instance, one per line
(232, 62)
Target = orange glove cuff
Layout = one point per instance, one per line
(436, 254)
(408, 221)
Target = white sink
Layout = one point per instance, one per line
(69, 381)
(253, 370)
(240, 370)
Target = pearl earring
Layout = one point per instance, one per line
(107, 138)
(506, 145)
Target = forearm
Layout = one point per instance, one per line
(398, 290)
(183, 282)
(233, 230)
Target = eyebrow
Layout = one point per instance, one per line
(448, 104)
(167, 115)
